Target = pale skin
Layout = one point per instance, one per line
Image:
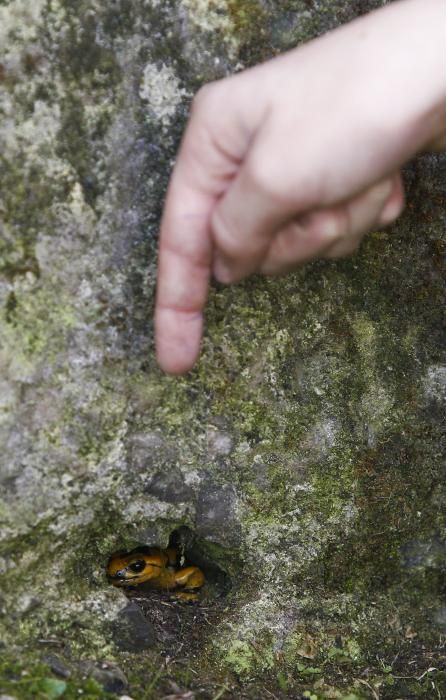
(297, 159)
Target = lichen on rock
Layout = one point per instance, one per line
(160, 88)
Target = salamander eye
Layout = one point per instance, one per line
(137, 566)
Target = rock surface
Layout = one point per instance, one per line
(306, 451)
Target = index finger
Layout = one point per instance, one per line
(201, 175)
(183, 276)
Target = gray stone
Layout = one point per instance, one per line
(109, 676)
(132, 631)
(425, 554)
(148, 449)
(220, 442)
(169, 486)
(57, 665)
(435, 383)
(216, 517)
(439, 616)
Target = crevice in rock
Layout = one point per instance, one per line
(160, 619)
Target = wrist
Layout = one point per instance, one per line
(418, 34)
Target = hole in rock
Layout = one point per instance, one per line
(180, 590)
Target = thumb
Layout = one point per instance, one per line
(248, 215)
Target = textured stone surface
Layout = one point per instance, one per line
(132, 631)
(307, 449)
(108, 676)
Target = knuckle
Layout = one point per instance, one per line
(266, 178)
(329, 226)
(337, 225)
(206, 98)
(280, 178)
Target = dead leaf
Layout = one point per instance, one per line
(410, 632)
(308, 648)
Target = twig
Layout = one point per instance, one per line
(429, 670)
(370, 687)
(220, 693)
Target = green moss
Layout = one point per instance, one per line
(38, 324)
(250, 26)
(26, 199)
(246, 659)
(34, 681)
(80, 142)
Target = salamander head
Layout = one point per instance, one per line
(133, 569)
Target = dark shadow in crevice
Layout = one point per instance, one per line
(196, 553)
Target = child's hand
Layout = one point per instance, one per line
(296, 159)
